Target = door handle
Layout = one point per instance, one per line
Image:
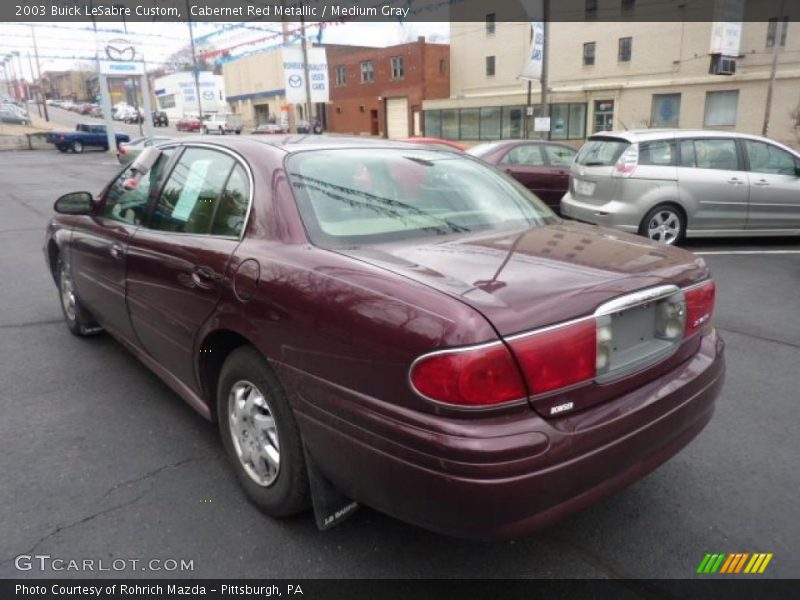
(735, 181)
(761, 182)
(116, 251)
(204, 277)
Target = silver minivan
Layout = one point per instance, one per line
(671, 184)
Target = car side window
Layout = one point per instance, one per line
(191, 194)
(660, 153)
(526, 155)
(559, 156)
(710, 154)
(129, 205)
(766, 158)
(232, 210)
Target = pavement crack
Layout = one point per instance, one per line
(763, 338)
(83, 521)
(152, 473)
(31, 324)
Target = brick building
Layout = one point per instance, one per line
(379, 91)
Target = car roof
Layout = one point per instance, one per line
(643, 135)
(300, 142)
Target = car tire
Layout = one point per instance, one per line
(79, 320)
(249, 398)
(77, 147)
(664, 223)
(222, 131)
(205, 130)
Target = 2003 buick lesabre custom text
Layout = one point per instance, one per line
(408, 326)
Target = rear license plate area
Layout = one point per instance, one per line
(585, 188)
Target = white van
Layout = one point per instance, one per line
(223, 124)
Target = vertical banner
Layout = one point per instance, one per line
(533, 69)
(294, 75)
(726, 34)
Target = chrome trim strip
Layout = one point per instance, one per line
(636, 299)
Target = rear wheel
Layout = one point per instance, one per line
(260, 434)
(79, 321)
(77, 147)
(664, 223)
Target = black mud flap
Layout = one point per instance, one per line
(331, 507)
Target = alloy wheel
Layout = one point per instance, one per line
(254, 433)
(664, 226)
(67, 293)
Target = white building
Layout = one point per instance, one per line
(176, 94)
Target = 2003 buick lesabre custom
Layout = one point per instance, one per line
(407, 325)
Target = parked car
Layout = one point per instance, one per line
(222, 124)
(128, 151)
(435, 143)
(86, 135)
(304, 126)
(96, 112)
(189, 123)
(133, 116)
(672, 184)
(397, 323)
(9, 115)
(160, 119)
(542, 167)
(269, 128)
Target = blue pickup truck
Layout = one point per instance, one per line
(84, 136)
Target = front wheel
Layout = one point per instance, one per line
(260, 434)
(664, 223)
(79, 321)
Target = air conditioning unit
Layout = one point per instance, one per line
(722, 65)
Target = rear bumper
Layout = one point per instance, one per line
(616, 214)
(509, 477)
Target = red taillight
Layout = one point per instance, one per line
(479, 376)
(557, 357)
(699, 307)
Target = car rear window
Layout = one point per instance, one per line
(362, 196)
(601, 152)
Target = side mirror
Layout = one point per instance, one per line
(75, 203)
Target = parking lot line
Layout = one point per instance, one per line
(715, 252)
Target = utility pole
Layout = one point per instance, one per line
(545, 57)
(305, 67)
(194, 63)
(773, 69)
(39, 71)
(32, 87)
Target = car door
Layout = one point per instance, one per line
(774, 186)
(177, 264)
(526, 164)
(98, 248)
(713, 184)
(559, 160)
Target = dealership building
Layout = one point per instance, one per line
(176, 94)
(618, 75)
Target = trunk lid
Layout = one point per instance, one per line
(529, 279)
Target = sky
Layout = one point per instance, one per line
(63, 45)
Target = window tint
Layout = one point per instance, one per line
(658, 153)
(129, 206)
(526, 155)
(191, 193)
(709, 154)
(559, 156)
(601, 152)
(358, 196)
(233, 204)
(766, 158)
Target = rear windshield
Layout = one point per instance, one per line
(601, 152)
(363, 196)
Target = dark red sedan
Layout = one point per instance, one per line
(394, 325)
(542, 167)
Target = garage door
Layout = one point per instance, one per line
(397, 117)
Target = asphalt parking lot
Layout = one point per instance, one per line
(100, 460)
